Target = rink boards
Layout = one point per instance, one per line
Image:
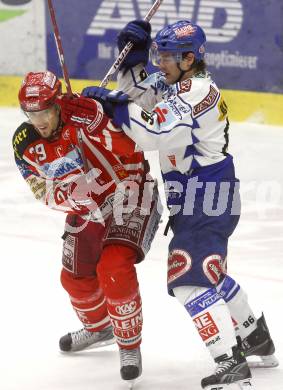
(243, 105)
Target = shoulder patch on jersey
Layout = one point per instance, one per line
(24, 136)
(185, 86)
(208, 102)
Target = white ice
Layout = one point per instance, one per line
(35, 311)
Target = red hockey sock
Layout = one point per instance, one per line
(88, 300)
(118, 279)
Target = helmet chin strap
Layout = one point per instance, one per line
(183, 72)
(56, 132)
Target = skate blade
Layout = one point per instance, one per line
(97, 345)
(245, 384)
(131, 384)
(265, 362)
(103, 343)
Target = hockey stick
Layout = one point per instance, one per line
(59, 48)
(128, 47)
(66, 75)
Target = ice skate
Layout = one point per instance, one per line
(229, 370)
(259, 343)
(131, 365)
(82, 339)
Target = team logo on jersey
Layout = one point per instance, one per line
(212, 268)
(185, 86)
(179, 262)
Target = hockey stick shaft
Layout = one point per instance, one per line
(128, 47)
(81, 145)
(59, 48)
(66, 76)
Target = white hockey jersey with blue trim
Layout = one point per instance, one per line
(187, 122)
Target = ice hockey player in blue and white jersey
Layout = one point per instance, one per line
(180, 112)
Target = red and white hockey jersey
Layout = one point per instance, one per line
(51, 167)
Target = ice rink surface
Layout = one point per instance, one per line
(35, 311)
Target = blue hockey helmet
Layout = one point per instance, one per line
(180, 37)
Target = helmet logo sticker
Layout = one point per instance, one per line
(49, 79)
(32, 90)
(185, 31)
(32, 106)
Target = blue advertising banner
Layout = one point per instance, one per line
(244, 38)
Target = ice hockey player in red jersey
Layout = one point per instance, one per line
(76, 161)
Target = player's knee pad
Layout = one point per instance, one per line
(78, 287)
(187, 293)
(196, 299)
(116, 271)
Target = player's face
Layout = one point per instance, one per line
(45, 121)
(166, 62)
(171, 67)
